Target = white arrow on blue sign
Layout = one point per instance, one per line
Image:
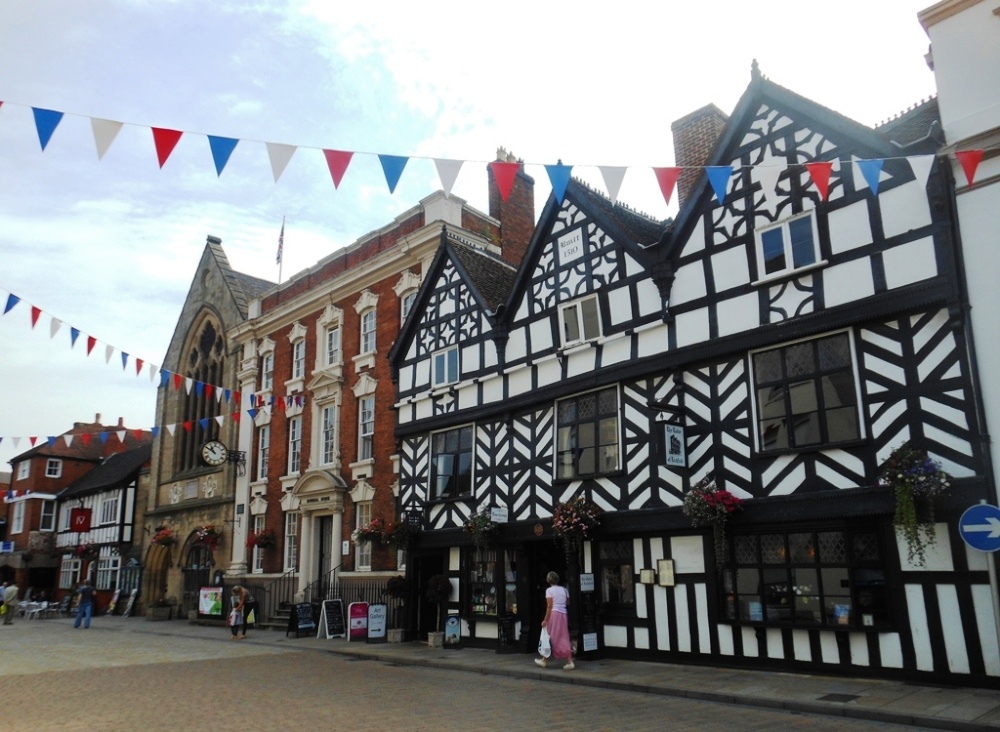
(980, 527)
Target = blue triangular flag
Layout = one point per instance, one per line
(199, 388)
(46, 122)
(164, 377)
(718, 176)
(252, 413)
(204, 423)
(74, 333)
(871, 169)
(155, 431)
(222, 148)
(12, 300)
(559, 178)
(104, 437)
(227, 393)
(52, 441)
(124, 360)
(392, 166)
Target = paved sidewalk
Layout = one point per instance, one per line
(936, 707)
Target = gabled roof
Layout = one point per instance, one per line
(115, 470)
(91, 451)
(762, 90)
(914, 124)
(488, 278)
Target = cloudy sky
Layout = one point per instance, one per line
(109, 247)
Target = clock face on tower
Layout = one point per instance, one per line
(214, 453)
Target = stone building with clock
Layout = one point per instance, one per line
(194, 482)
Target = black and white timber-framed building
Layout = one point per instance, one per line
(794, 340)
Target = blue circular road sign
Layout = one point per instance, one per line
(980, 527)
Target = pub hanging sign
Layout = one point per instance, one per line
(673, 440)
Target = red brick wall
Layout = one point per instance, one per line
(516, 215)
(695, 137)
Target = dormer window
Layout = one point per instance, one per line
(788, 245)
(581, 321)
(446, 366)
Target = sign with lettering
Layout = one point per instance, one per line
(377, 614)
(210, 602)
(79, 519)
(673, 435)
(586, 582)
(131, 603)
(571, 246)
(301, 620)
(357, 614)
(498, 514)
(331, 619)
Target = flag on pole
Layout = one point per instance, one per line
(281, 240)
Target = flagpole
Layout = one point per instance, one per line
(281, 246)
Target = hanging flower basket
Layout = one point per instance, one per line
(916, 480)
(371, 533)
(482, 528)
(263, 539)
(209, 535)
(575, 520)
(397, 533)
(708, 505)
(86, 551)
(164, 537)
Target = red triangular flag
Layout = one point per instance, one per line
(504, 173)
(91, 342)
(188, 426)
(86, 438)
(138, 366)
(165, 141)
(138, 434)
(236, 397)
(177, 381)
(208, 391)
(970, 161)
(32, 440)
(35, 312)
(820, 173)
(667, 178)
(337, 161)
(236, 416)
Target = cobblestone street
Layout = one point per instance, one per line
(133, 675)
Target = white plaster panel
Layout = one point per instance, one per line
(406, 378)
(490, 355)
(468, 396)
(615, 636)
(616, 350)
(541, 335)
(848, 282)
(918, 627)
(493, 390)
(828, 647)
(730, 269)
(859, 650)
(487, 630)
(800, 645)
(982, 603)
(519, 381)
(692, 327)
(652, 341)
(683, 620)
(904, 208)
(648, 296)
(891, 650)
(661, 618)
(952, 629)
(517, 345)
(470, 358)
(726, 645)
(641, 638)
(423, 409)
(422, 374)
(701, 607)
(738, 314)
(850, 228)
(688, 554)
(620, 305)
(548, 371)
(976, 559)
(750, 648)
(696, 241)
(910, 262)
(580, 362)
(775, 644)
(454, 564)
(689, 284)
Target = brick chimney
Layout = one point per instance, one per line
(695, 136)
(517, 214)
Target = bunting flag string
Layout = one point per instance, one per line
(279, 154)
(167, 377)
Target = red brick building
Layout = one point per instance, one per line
(321, 456)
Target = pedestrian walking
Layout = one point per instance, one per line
(556, 622)
(9, 602)
(85, 608)
(237, 602)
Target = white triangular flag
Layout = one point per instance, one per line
(121, 435)
(613, 176)
(188, 383)
(105, 132)
(921, 166)
(54, 327)
(767, 176)
(219, 420)
(171, 428)
(279, 154)
(109, 351)
(448, 171)
(69, 440)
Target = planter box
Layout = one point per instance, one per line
(395, 635)
(159, 613)
(435, 639)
